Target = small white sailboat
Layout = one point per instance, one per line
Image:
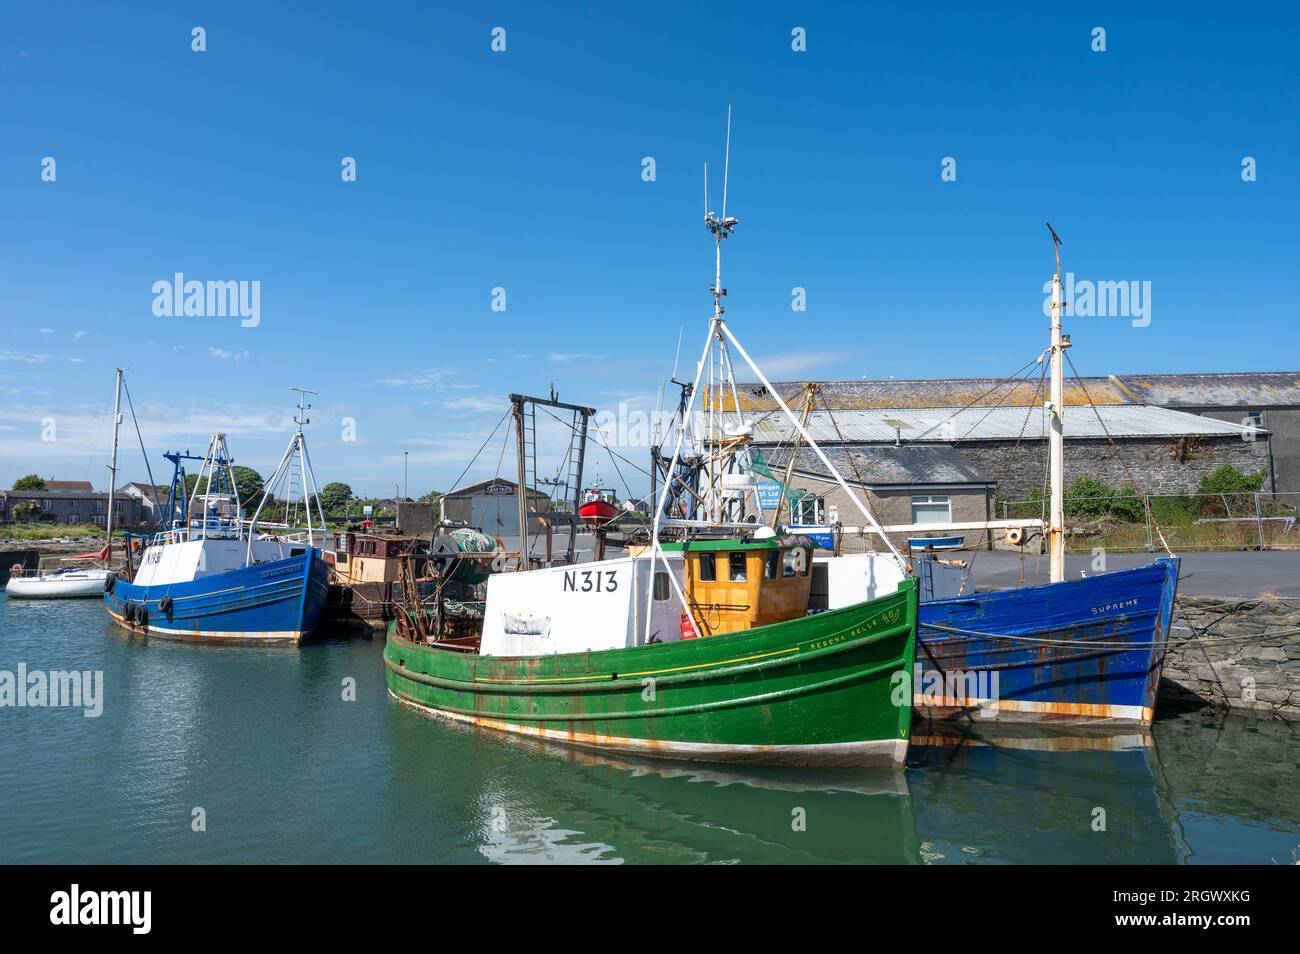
(66, 583)
(75, 582)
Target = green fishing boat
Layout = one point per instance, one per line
(702, 645)
(832, 688)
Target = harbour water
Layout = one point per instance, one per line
(264, 748)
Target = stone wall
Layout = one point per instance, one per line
(1159, 466)
(1240, 665)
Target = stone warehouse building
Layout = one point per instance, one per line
(941, 450)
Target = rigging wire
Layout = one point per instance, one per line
(153, 487)
(478, 452)
(1146, 503)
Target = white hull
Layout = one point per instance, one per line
(79, 584)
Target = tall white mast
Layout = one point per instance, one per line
(112, 467)
(719, 338)
(1056, 443)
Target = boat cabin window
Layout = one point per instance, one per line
(661, 586)
(794, 562)
(772, 565)
(931, 508)
(736, 565)
(708, 568)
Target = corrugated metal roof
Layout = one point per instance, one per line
(1253, 389)
(881, 426)
(885, 464)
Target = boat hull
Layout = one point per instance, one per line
(597, 511)
(85, 585)
(828, 689)
(274, 602)
(1072, 653)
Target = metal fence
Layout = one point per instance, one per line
(1234, 521)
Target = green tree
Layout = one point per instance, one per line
(334, 497)
(1229, 492)
(27, 510)
(249, 484)
(432, 497)
(30, 482)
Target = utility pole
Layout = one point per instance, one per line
(406, 475)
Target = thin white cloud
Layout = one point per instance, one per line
(791, 363)
(78, 335)
(475, 403)
(47, 331)
(575, 356)
(418, 380)
(24, 357)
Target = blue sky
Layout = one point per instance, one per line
(523, 170)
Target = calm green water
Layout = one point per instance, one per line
(287, 771)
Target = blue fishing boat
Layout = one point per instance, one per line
(1080, 651)
(210, 575)
(1077, 651)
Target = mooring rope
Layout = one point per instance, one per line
(1102, 643)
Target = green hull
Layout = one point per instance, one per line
(820, 690)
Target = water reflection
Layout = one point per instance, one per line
(288, 770)
(596, 807)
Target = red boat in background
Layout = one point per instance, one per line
(597, 505)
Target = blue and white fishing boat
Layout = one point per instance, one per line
(210, 575)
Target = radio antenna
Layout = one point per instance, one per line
(726, 163)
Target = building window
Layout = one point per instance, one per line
(810, 509)
(708, 568)
(931, 508)
(47, 505)
(99, 506)
(661, 586)
(736, 565)
(72, 505)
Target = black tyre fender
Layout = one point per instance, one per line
(109, 582)
(165, 605)
(128, 612)
(142, 616)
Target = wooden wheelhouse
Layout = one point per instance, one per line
(733, 585)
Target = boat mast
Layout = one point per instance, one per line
(722, 336)
(112, 467)
(1056, 443)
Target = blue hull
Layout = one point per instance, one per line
(277, 602)
(1080, 651)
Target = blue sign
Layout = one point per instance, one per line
(769, 494)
